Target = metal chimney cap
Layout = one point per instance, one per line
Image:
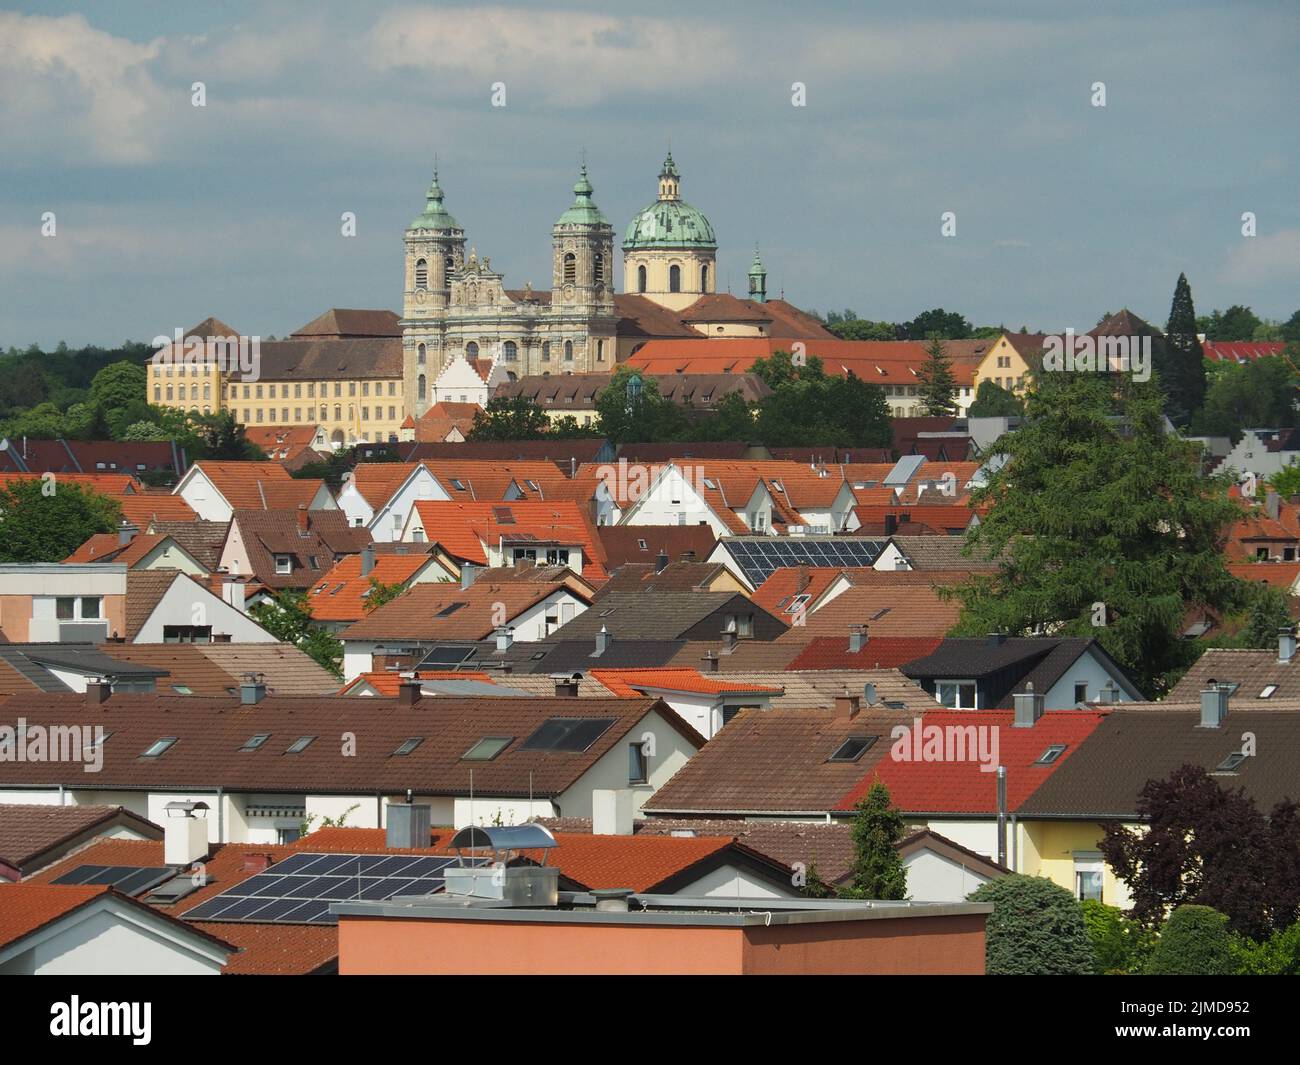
(185, 808)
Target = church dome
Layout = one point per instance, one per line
(669, 222)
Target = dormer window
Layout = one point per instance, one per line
(283, 565)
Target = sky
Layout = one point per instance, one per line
(166, 213)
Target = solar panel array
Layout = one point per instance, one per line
(299, 889)
(128, 879)
(759, 558)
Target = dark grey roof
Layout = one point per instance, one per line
(1104, 776)
(42, 679)
(563, 656)
(88, 660)
(649, 615)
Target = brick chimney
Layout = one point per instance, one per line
(710, 661)
(98, 691)
(409, 692)
(847, 704)
(302, 518)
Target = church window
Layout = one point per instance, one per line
(599, 267)
(600, 351)
(640, 278)
(420, 386)
(511, 351)
(570, 268)
(546, 351)
(421, 273)
(449, 264)
(674, 278)
(419, 355)
(568, 351)
(704, 279)
(471, 351)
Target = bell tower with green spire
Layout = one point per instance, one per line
(435, 248)
(582, 279)
(757, 279)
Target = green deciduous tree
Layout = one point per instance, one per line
(46, 519)
(947, 324)
(632, 409)
(1103, 526)
(287, 618)
(1036, 929)
(1119, 943)
(994, 401)
(1257, 394)
(510, 418)
(1195, 941)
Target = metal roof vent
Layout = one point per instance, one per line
(511, 885)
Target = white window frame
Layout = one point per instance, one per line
(940, 685)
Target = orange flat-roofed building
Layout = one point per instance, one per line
(672, 935)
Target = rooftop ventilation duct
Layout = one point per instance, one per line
(409, 825)
(1029, 707)
(185, 833)
(1214, 705)
(499, 880)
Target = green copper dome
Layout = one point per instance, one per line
(584, 211)
(669, 222)
(435, 215)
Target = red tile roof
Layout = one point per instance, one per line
(879, 652)
(631, 683)
(963, 787)
(1240, 350)
(27, 907)
(464, 529)
(387, 682)
(777, 593)
(1276, 574)
(340, 595)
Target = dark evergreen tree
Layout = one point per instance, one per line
(938, 386)
(878, 828)
(1183, 372)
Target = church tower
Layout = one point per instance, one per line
(435, 250)
(583, 245)
(757, 280)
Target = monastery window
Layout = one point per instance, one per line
(598, 267)
(365, 388)
(600, 351)
(272, 414)
(570, 268)
(194, 391)
(421, 273)
(338, 388)
(259, 414)
(471, 351)
(338, 412)
(311, 389)
(449, 263)
(419, 355)
(640, 278)
(207, 390)
(324, 414)
(674, 278)
(365, 414)
(169, 392)
(419, 387)
(511, 351)
(297, 390)
(392, 388)
(546, 351)
(246, 393)
(258, 390)
(392, 414)
(157, 393)
(568, 351)
(246, 416)
(352, 388)
(297, 414)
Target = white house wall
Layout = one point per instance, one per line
(187, 603)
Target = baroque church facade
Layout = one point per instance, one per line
(460, 321)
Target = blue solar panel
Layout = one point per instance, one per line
(128, 879)
(299, 889)
(760, 558)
